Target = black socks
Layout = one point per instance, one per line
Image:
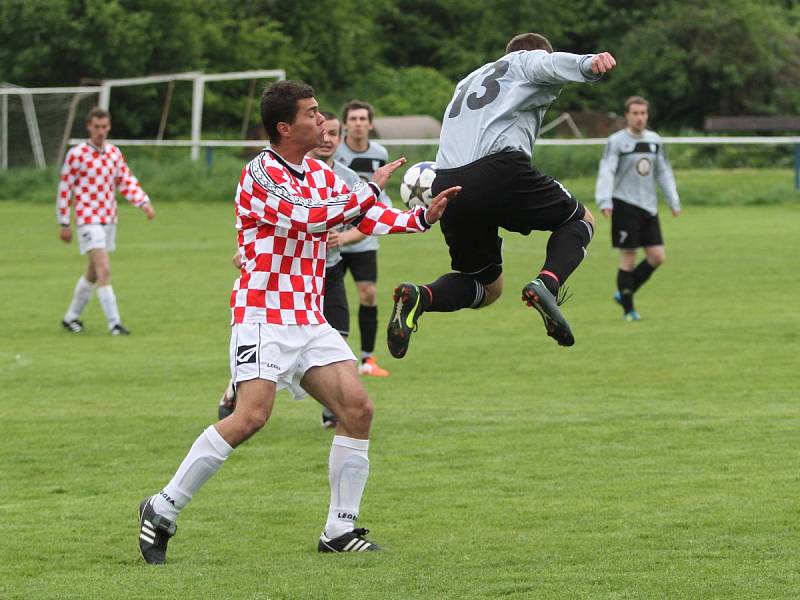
(451, 292)
(630, 281)
(368, 326)
(625, 287)
(565, 251)
(642, 273)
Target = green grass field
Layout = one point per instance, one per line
(651, 460)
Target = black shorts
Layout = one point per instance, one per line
(633, 227)
(334, 307)
(363, 265)
(499, 190)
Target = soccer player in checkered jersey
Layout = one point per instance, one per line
(360, 252)
(335, 308)
(486, 144)
(286, 203)
(633, 162)
(91, 173)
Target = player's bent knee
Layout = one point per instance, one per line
(492, 291)
(358, 412)
(250, 421)
(491, 296)
(656, 257)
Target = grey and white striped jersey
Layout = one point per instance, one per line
(630, 167)
(365, 164)
(351, 178)
(500, 106)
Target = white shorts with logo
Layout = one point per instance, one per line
(91, 237)
(283, 353)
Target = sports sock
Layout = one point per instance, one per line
(566, 248)
(109, 303)
(550, 281)
(625, 287)
(80, 298)
(205, 456)
(451, 292)
(368, 326)
(348, 469)
(642, 273)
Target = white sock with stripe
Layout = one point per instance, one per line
(204, 459)
(80, 298)
(348, 469)
(109, 303)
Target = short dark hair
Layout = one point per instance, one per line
(329, 116)
(635, 100)
(97, 113)
(528, 41)
(279, 104)
(355, 105)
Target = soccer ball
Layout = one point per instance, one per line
(415, 189)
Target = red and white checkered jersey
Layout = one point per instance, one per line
(90, 176)
(283, 218)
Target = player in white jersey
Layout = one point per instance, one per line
(335, 308)
(486, 145)
(286, 203)
(360, 252)
(634, 160)
(92, 172)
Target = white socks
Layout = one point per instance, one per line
(204, 459)
(109, 303)
(80, 298)
(348, 469)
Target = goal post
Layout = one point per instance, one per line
(37, 123)
(199, 81)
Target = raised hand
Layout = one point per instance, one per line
(603, 62)
(382, 175)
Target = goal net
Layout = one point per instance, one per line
(37, 123)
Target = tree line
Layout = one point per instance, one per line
(691, 58)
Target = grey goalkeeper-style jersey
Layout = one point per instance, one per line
(630, 167)
(351, 178)
(500, 106)
(365, 164)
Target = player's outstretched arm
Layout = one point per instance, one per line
(382, 175)
(439, 203)
(603, 63)
(149, 210)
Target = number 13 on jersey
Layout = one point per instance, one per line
(491, 89)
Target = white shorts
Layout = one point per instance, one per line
(283, 353)
(91, 237)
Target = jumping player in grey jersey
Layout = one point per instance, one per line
(633, 161)
(486, 145)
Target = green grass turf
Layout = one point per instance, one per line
(652, 460)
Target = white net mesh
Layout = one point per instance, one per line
(35, 127)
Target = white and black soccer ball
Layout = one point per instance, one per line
(415, 189)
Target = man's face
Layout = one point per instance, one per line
(637, 117)
(307, 131)
(98, 128)
(331, 137)
(358, 125)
